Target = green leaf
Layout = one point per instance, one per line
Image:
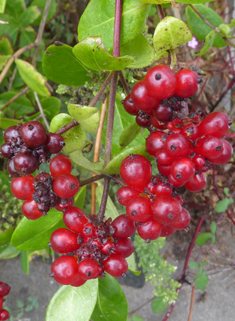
(78, 158)
(32, 235)
(129, 134)
(2, 5)
(9, 253)
(87, 117)
(5, 236)
(200, 28)
(132, 264)
(113, 167)
(213, 239)
(20, 107)
(61, 66)
(29, 16)
(50, 106)
(5, 46)
(201, 280)
(7, 122)
(19, 304)
(137, 318)
(223, 205)
(193, 1)
(213, 227)
(208, 43)
(9, 29)
(41, 4)
(203, 238)
(76, 302)
(111, 210)
(224, 29)
(3, 61)
(169, 34)
(226, 189)
(15, 7)
(193, 265)
(140, 50)
(111, 301)
(32, 78)
(92, 53)
(232, 23)
(98, 20)
(159, 304)
(27, 36)
(24, 260)
(79, 198)
(75, 138)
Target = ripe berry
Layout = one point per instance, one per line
(139, 209)
(66, 186)
(65, 269)
(7, 151)
(177, 145)
(64, 241)
(30, 210)
(226, 154)
(182, 169)
(129, 106)
(175, 183)
(124, 247)
(33, 134)
(149, 230)
(160, 82)
(166, 209)
(186, 83)
(75, 219)
(200, 163)
(64, 204)
(167, 231)
(209, 147)
(11, 169)
(11, 134)
(4, 315)
(143, 120)
(125, 194)
(197, 183)
(163, 113)
(25, 163)
(155, 143)
(1, 302)
(165, 159)
(116, 265)
(89, 269)
(22, 187)
(79, 281)
(124, 227)
(136, 171)
(141, 98)
(155, 122)
(183, 221)
(60, 165)
(88, 230)
(215, 124)
(164, 170)
(4, 289)
(160, 189)
(190, 131)
(108, 247)
(54, 143)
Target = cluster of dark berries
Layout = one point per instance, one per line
(47, 191)
(162, 95)
(29, 145)
(186, 151)
(4, 291)
(96, 247)
(151, 202)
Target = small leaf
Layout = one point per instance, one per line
(226, 189)
(32, 78)
(159, 304)
(208, 43)
(92, 53)
(213, 227)
(24, 260)
(5, 236)
(232, 23)
(129, 134)
(136, 317)
(9, 253)
(193, 265)
(3, 61)
(19, 304)
(224, 29)
(61, 66)
(29, 16)
(78, 158)
(213, 239)
(223, 205)
(110, 296)
(203, 238)
(73, 300)
(5, 46)
(169, 34)
(202, 280)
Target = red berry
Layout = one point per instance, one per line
(11, 134)
(149, 230)
(215, 124)
(116, 265)
(124, 247)
(30, 210)
(25, 163)
(186, 83)
(143, 120)
(33, 134)
(155, 143)
(141, 98)
(209, 147)
(165, 159)
(11, 169)
(65, 269)
(124, 227)
(190, 131)
(79, 281)
(64, 204)
(4, 315)
(177, 145)
(166, 209)
(129, 106)
(163, 113)
(125, 194)
(160, 82)
(1, 301)
(108, 247)
(89, 269)
(4, 289)
(197, 183)
(175, 183)
(156, 123)
(54, 143)
(182, 169)
(139, 209)
(22, 187)
(88, 230)
(164, 170)
(66, 186)
(60, 165)
(200, 163)
(7, 151)
(136, 171)
(75, 219)
(226, 154)
(167, 231)
(160, 189)
(183, 221)
(64, 241)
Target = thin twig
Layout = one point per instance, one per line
(67, 127)
(124, 83)
(117, 180)
(104, 200)
(92, 179)
(102, 89)
(22, 92)
(140, 307)
(192, 303)
(41, 111)
(12, 78)
(160, 12)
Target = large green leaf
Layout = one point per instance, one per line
(7, 122)
(200, 28)
(92, 53)
(61, 66)
(169, 34)
(78, 158)
(2, 6)
(140, 50)
(24, 261)
(111, 301)
(29, 16)
(5, 236)
(15, 8)
(32, 78)
(51, 106)
(98, 20)
(73, 303)
(41, 4)
(32, 235)
(5, 46)
(129, 134)
(10, 28)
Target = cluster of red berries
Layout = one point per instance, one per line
(45, 191)
(4, 291)
(186, 151)
(151, 202)
(29, 145)
(158, 98)
(96, 247)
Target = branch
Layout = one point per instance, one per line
(160, 12)
(41, 111)
(192, 303)
(22, 92)
(124, 83)
(102, 89)
(92, 179)
(67, 127)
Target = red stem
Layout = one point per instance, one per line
(117, 28)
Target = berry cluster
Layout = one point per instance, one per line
(162, 95)
(47, 191)
(151, 202)
(96, 247)
(190, 146)
(29, 145)
(4, 291)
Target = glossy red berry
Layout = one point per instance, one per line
(160, 82)
(7, 151)
(22, 187)
(186, 83)
(129, 106)
(149, 230)
(88, 230)
(167, 231)
(155, 143)
(166, 209)
(30, 210)
(190, 131)
(66, 186)
(108, 247)
(226, 154)
(197, 183)
(11, 134)
(141, 98)
(126, 193)
(1, 301)
(182, 169)
(215, 124)
(60, 165)
(116, 265)
(200, 163)
(4, 289)
(143, 120)
(175, 183)
(75, 219)
(163, 113)
(177, 145)
(160, 189)
(11, 169)
(165, 159)
(25, 163)
(183, 221)
(136, 171)
(209, 147)
(64, 204)
(54, 143)
(164, 170)
(139, 209)
(124, 247)
(64, 241)
(124, 227)
(79, 281)
(4, 315)
(156, 123)
(89, 269)
(33, 134)
(65, 269)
